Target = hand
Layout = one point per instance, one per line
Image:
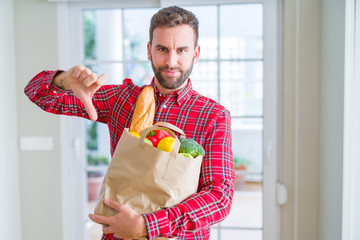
(84, 83)
(126, 224)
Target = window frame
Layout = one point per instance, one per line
(351, 154)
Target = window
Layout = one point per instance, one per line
(351, 193)
(231, 70)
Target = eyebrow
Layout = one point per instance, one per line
(162, 46)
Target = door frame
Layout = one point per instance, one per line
(73, 130)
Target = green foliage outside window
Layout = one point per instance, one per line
(92, 145)
(92, 141)
(97, 160)
(89, 18)
(240, 161)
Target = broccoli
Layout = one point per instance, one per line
(191, 146)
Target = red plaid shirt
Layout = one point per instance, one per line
(201, 118)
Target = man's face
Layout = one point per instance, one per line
(172, 54)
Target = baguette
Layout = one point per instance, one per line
(144, 112)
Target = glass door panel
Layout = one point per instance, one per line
(241, 37)
(136, 33)
(230, 71)
(241, 87)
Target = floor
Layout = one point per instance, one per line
(246, 213)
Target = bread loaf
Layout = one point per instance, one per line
(144, 112)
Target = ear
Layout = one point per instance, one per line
(149, 50)
(197, 53)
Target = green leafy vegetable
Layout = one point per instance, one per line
(191, 147)
(186, 155)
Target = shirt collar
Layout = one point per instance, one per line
(180, 96)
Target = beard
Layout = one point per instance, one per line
(171, 82)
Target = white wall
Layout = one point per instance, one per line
(9, 177)
(36, 44)
(313, 84)
(301, 118)
(351, 163)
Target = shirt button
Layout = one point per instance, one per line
(164, 106)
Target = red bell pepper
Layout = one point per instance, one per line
(160, 134)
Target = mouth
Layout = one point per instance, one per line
(170, 72)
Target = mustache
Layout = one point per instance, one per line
(165, 68)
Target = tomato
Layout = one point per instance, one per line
(153, 140)
(160, 134)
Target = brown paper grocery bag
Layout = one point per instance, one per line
(146, 178)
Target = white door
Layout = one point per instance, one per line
(238, 67)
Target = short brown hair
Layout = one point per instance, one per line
(174, 16)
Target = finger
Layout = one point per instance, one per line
(113, 204)
(109, 229)
(84, 74)
(100, 219)
(89, 79)
(77, 70)
(118, 236)
(90, 109)
(122, 237)
(102, 79)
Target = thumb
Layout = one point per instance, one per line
(113, 204)
(90, 109)
(101, 80)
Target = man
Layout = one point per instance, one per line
(172, 50)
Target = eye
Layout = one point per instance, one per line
(162, 49)
(182, 50)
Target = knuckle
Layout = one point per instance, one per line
(88, 71)
(93, 75)
(79, 67)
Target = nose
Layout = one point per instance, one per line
(171, 59)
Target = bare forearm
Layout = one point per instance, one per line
(60, 80)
